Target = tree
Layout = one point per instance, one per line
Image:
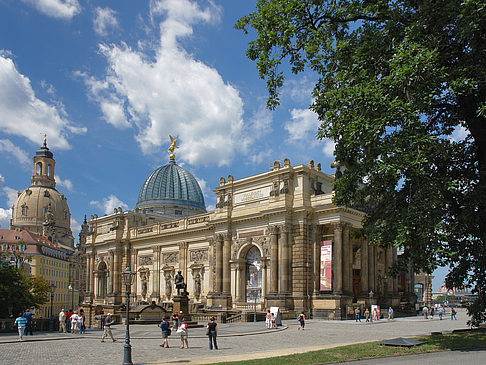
(396, 79)
(19, 291)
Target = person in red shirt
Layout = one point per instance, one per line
(69, 313)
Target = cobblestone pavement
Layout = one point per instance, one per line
(237, 341)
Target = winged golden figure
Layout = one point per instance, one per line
(173, 146)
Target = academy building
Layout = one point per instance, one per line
(275, 238)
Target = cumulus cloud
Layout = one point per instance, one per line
(460, 133)
(11, 194)
(172, 93)
(61, 9)
(19, 154)
(109, 204)
(328, 148)
(67, 184)
(104, 20)
(23, 114)
(5, 217)
(304, 123)
(75, 227)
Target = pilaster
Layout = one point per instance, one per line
(337, 258)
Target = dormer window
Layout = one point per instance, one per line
(46, 194)
(24, 209)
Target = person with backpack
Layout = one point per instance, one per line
(166, 332)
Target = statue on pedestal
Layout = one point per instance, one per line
(179, 283)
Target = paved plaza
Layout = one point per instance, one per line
(237, 341)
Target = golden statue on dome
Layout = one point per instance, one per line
(172, 147)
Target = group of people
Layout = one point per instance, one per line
(270, 319)
(440, 310)
(25, 323)
(180, 325)
(74, 322)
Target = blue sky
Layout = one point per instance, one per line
(108, 81)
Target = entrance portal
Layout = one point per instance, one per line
(253, 275)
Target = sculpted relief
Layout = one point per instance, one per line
(170, 257)
(199, 255)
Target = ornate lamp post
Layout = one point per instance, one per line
(128, 277)
(52, 289)
(71, 288)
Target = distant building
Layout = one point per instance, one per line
(41, 208)
(39, 257)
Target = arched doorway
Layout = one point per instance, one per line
(253, 275)
(102, 275)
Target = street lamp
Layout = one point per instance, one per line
(52, 289)
(127, 277)
(371, 304)
(71, 288)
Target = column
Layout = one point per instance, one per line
(337, 255)
(371, 268)
(156, 273)
(238, 283)
(116, 271)
(347, 261)
(283, 264)
(226, 263)
(264, 262)
(183, 258)
(364, 268)
(91, 274)
(317, 259)
(219, 263)
(211, 260)
(273, 259)
(111, 277)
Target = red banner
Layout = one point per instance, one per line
(326, 266)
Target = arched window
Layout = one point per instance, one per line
(24, 209)
(38, 168)
(253, 275)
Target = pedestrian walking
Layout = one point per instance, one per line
(83, 322)
(432, 310)
(182, 330)
(69, 313)
(390, 313)
(21, 323)
(62, 321)
(374, 315)
(357, 313)
(212, 332)
(440, 310)
(453, 314)
(301, 320)
(29, 316)
(107, 328)
(425, 311)
(175, 321)
(74, 322)
(166, 332)
(367, 315)
(80, 321)
(268, 319)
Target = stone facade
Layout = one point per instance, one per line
(262, 244)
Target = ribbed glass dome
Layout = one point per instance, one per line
(171, 185)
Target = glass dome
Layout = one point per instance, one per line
(171, 185)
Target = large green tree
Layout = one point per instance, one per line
(19, 291)
(396, 79)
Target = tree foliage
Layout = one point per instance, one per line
(397, 80)
(19, 291)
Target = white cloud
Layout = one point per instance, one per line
(23, 114)
(210, 207)
(67, 184)
(75, 227)
(104, 20)
(172, 93)
(62, 9)
(204, 186)
(109, 204)
(303, 123)
(328, 148)
(20, 155)
(5, 217)
(11, 194)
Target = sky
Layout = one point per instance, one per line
(109, 81)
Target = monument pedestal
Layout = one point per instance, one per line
(181, 304)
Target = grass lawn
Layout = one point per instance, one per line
(448, 342)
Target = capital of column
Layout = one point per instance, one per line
(156, 249)
(183, 245)
(219, 237)
(285, 228)
(273, 229)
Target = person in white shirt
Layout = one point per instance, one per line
(74, 322)
(62, 321)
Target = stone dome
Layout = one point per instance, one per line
(171, 191)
